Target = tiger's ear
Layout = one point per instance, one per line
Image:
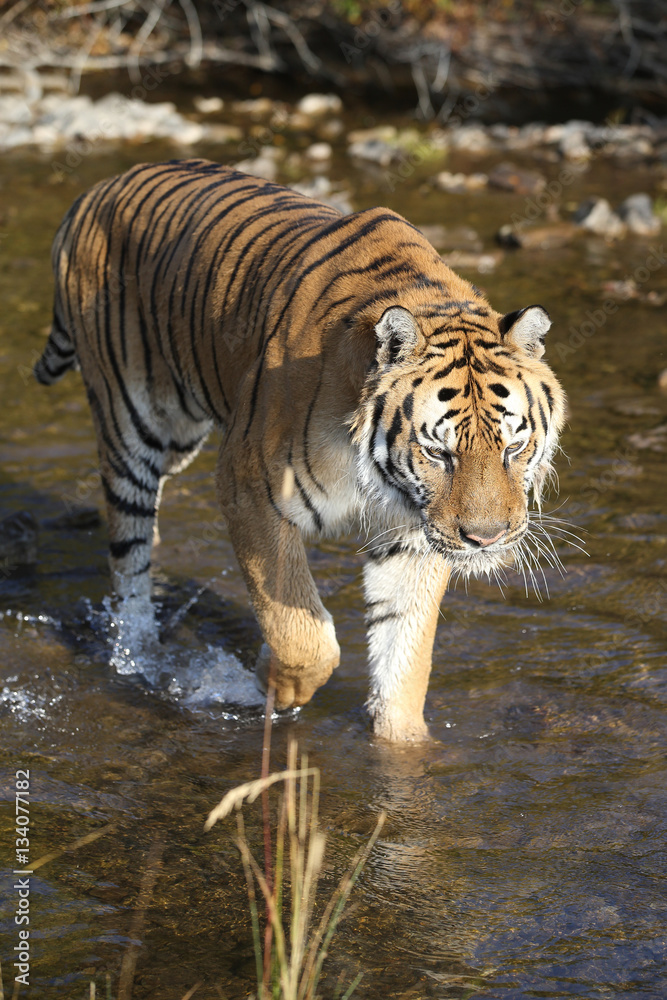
(398, 335)
(526, 329)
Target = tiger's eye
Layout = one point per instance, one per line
(511, 449)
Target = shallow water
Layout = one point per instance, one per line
(524, 853)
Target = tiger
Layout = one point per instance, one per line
(356, 379)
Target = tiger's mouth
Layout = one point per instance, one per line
(475, 559)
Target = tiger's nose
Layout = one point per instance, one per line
(480, 539)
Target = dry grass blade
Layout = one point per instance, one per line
(88, 839)
(297, 951)
(251, 790)
(191, 992)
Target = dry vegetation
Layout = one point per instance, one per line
(435, 47)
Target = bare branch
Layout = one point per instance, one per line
(194, 27)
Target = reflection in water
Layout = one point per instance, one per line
(524, 850)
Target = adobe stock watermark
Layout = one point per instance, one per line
(22, 884)
(595, 319)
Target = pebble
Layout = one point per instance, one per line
(654, 439)
(637, 213)
(509, 177)
(471, 139)
(332, 128)
(208, 105)
(18, 540)
(216, 132)
(374, 151)
(263, 166)
(319, 152)
(458, 183)
(596, 215)
(456, 238)
(484, 263)
(550, 237)
(256, 107)
(58, 120)
(318, 105)
(83, 517)
(322, 189)
(383, 133)
(662, 380)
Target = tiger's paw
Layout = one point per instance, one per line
(294, 686)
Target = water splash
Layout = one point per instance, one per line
(195, 677)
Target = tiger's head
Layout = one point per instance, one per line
(457, 427)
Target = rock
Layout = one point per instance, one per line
(262, 166)
(509, 177)
(484, 263)
(551, 237)
(223, 133)
(662, 380)
(457, 238)
(638, 215)
(319, 152)
(631, 150)
(596, 215)
(208, 105)
(18, 540)
(458, 183)
(15, 110)
(470, 139)
(375, 151)
(385, 133)
(574, 146)
(332, 128)
(654, 439)
(321, 189)
(571, 139)
(318, 105)
(628, 288)
(256, 107)
(84, 517)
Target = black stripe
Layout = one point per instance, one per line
(120, 549)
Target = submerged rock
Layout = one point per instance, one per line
(18, 540)
(550, 237)
(456, 238)
(638, 215)
(654, 439)
(83, 517)
(509, 177)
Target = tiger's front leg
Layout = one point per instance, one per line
(301, 648)
(403, 594)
